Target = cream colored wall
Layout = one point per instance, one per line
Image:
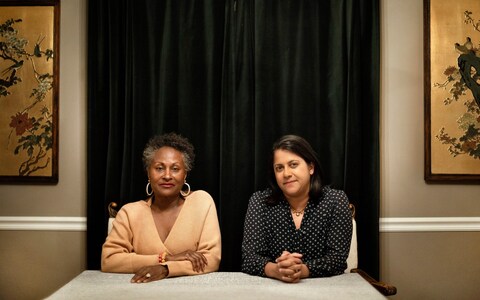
(423, 265)
(34, 263)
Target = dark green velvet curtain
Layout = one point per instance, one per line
(232, 76)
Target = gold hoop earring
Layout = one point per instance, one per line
(146, 189)
(185, 194)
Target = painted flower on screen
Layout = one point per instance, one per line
(460, 79)
(21, 123)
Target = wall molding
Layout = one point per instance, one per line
(43, 223)
(440, 224)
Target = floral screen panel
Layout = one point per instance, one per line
(452, 91)
(29, 92)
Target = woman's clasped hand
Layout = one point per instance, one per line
(289, 267)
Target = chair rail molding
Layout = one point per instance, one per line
(422, 224)
(43, 223)
(431, 224)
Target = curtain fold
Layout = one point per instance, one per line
(233, 76)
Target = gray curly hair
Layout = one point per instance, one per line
(173, 140)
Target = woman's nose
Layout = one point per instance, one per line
(166, 175)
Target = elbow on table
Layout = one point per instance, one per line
(105, 266)
(108, 265)
(213, 265)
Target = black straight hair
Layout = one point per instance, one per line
(300, 147)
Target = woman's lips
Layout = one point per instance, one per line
(167, 185)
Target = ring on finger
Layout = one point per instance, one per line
(148, 275)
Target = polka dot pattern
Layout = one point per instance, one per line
(323, 238)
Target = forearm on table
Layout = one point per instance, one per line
(185, 264)
(323, 267)
(254, 264)
(185, 267)
(127, 262)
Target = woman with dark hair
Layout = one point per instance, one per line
(173, 232)
(299, 227)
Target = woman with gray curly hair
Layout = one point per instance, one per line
(173, 232)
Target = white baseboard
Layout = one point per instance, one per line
(386, 224)
(44, 223)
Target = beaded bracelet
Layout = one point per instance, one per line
(161, 257)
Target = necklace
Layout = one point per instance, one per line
(298, 213)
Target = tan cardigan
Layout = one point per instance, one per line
(134, 242)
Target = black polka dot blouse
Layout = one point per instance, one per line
(323, 238)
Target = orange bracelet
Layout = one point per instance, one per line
(161, 257)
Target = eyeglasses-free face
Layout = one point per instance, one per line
(167, 172)
(292, 174)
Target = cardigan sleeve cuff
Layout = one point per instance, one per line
(143, 260)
